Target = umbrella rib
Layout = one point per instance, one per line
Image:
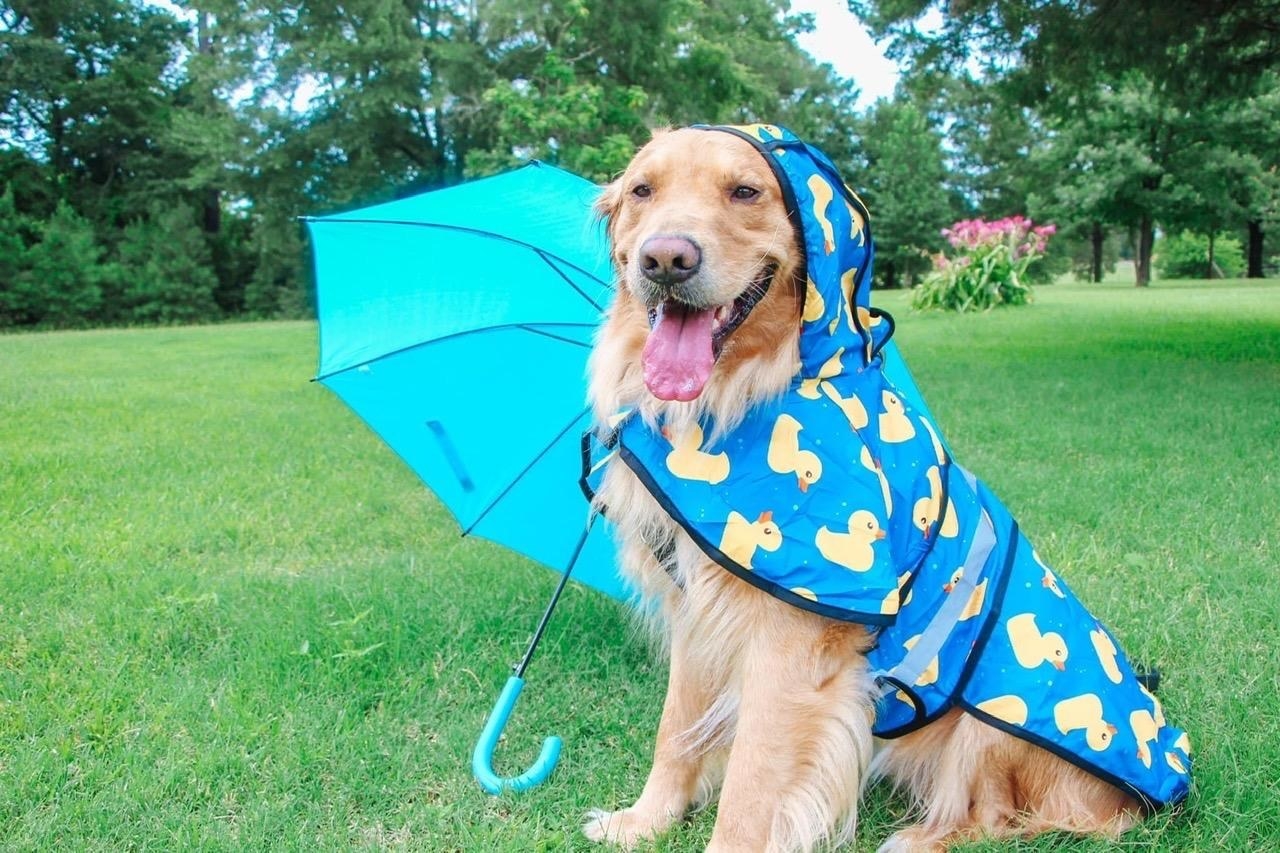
(464, 229)
(547, 258)
(524, 327)
(535, 331)
(516, 479)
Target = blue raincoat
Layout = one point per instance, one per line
(841, 498)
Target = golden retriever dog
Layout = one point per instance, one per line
(768, 707)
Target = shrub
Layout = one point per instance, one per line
(167, 269)
(59, 282)
(1186, 255)
(988, 268)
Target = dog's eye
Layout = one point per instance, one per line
(745, 193)
(642, 191)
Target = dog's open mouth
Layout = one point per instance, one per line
(684, 341)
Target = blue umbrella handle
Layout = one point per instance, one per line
(482, 756)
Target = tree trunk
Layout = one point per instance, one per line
(212, 202)
(1146, 240)
(1096, 237)
(890, 276)
(1255, 249)
(1209, 272)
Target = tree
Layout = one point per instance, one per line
(62, 284)
(166, 268)
(1113, 159)
(14, 260)
(905, 190)
(1199, 46)
(1183, 59)
(589, 83)
(248, 113)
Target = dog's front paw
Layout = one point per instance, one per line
(913, 840)
(625, 827)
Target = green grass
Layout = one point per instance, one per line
(230, 619)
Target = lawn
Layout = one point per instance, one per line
(231, 619)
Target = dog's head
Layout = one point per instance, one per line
(706, 258)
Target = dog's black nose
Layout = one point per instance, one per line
(668, 259)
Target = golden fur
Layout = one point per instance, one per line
(768, 706)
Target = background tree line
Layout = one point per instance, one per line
(153, 160)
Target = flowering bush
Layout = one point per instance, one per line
(988, 266)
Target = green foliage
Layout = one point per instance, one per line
(989, 269)
(249, 114)
(60, 282)
(14, 260)
(278, 287)
(1186, 255)
(166, 268)
(904, 188)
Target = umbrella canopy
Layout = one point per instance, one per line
(457, 324)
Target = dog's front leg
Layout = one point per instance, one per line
(803, 737)
(673, 781)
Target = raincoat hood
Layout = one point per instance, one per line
(839, 253)
(841, 498)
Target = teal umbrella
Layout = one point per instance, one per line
(457, 324)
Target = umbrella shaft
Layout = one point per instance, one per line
(551, 605)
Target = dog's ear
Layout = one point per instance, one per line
(610, 200)
(608, 205)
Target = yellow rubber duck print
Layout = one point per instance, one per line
(867, 320)
(786, 457)
(1032, 648)
(1183, 743)
(687, 462)
(854, 411)
(1145, 731)
(831, 367)
(1050, 582)
(856, 222)
(853, 550)
(742, 537)
(854, 195)
(938, 449)
(925, 512)
(844, 306)
(869, 462)
(1107, 652)
(1157, 710)
(815, 307)
(930, 673)
(977, 597)
(893, 602)
(895, 426)
(1012, 709)
(1085, 712)
(804, 592)
(759, 131)
(1172, 759)
(822, 196)
(846, 300)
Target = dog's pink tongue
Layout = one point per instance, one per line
(678, 356)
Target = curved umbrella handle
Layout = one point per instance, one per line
(482, 756)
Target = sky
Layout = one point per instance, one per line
(840, 39)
